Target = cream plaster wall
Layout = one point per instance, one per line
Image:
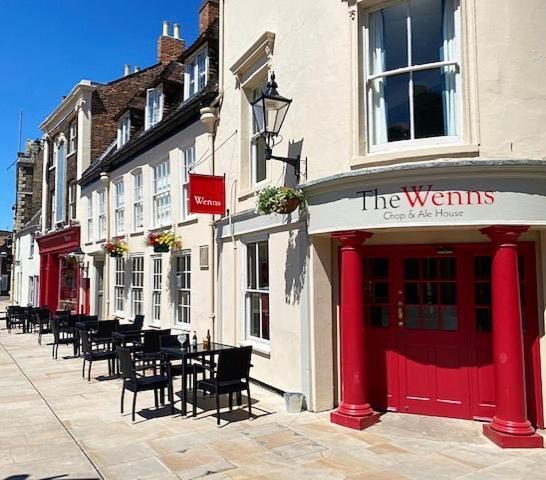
(25, 266)
(194, 232)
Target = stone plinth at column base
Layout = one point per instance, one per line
(505, 440)
(356, 423)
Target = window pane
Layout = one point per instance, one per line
(251, 266)
(379, 267)
(482, 294)
(449, 318)
(428, 103)
(379, 316)
(380, 292)
(483, 319)
(264, 300)
(397, 107)
(412, 293)
(411, 268)
(482, 267)
(260, 161)
(263, 267)
(255, 314)
(426, 30)
(448, 268)
(412, 317)
(429, 268)
(431, 319)
(449, 293)
(394, 36)
(430, 293)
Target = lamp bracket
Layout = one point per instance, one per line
(293, 161)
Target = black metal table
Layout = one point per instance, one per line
(187, 353)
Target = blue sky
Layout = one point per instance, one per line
(47, 46)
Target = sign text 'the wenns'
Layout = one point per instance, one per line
(422, 202)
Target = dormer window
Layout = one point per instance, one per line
(124, 129)
(154, 106)
(196, 76)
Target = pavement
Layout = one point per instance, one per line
(54, 424)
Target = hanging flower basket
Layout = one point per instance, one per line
(163, 242)
(71, 260)
(281, 200)
(115, 248)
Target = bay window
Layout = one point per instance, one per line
(413, 73)
(257, 291)
(119, 205)
(162, 194)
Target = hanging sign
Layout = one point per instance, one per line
(207, 194)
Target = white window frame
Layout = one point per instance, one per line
(157, 282)
(73, 137)
(72, 195)
(247, 292)
(60, 183)
(137, 285)
(182, 284)
(124, 129)
(161, 194)
(119, 285)
(90, 218)
(119, 206)
(187, 161)
(419, 142)
(153, 113)
(254, 140)
(196, 76)
(101, 200)
(138, 200)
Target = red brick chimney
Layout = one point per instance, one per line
(169, 47)
(210, 11)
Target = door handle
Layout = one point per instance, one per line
(400, 314)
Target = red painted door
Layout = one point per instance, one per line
(429, 330)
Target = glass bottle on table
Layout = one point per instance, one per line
(194, 340)
(208, 339)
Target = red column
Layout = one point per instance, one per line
(510, 427)
(43, 280)
(354, 411)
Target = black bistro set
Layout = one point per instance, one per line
(143, 359)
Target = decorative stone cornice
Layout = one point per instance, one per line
(351, 238)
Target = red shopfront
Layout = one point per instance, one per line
(60, 274)
(438, 331)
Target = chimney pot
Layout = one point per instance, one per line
(126, 70)
(137, 68)
(176, 30)
(165, 28)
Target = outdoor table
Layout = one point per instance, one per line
(121, 338)
(187, 353)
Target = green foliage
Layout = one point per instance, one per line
(279, 200)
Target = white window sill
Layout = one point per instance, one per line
(420, 153)
(161, 229)
(259, 347)
(188, 221)
(182, 328)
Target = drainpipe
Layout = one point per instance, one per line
(105, 180)
(209, 116)
(45, 170)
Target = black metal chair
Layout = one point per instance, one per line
(42, 320)
(231, 376)
(135, 381)
(63, 334)
(176, 368)
(91, 355)
(138, 322)
(17, 317)
(150, 348)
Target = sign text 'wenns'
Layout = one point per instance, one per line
(207, 194)
(423, 202)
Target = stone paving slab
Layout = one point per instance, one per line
(54, 423)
